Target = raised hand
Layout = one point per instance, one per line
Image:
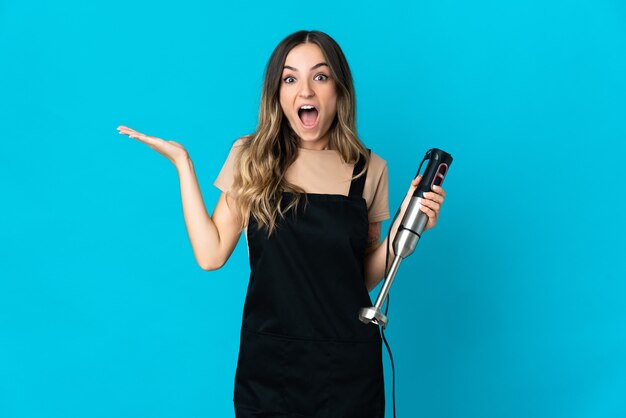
(172, 150)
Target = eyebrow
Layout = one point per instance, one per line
(321, 64)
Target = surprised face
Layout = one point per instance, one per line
(308, 95)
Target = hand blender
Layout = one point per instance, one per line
(410, 230)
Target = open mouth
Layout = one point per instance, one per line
(308, 115)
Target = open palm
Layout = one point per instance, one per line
(172, 150)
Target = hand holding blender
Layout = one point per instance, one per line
(409, 231)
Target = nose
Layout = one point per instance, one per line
(305, 90)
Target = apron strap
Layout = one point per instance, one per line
(357, 185)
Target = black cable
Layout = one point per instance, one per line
(393, 368)
(382, 330)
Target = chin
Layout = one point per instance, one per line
(309, 136)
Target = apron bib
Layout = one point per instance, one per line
(303, 351)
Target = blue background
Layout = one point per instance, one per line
(513, 306)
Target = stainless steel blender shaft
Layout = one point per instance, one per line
(404, 243)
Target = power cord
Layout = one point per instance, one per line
(393, 369)
(382, 330)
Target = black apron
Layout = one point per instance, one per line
(303, 351)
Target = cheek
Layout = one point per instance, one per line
(330, 98)
(284, 103)
(332, 106)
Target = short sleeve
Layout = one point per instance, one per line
(378, 209)
(225, 178)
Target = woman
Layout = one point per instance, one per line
(311, 199)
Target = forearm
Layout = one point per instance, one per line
(375, 261)
(202, 231)
(430, 204)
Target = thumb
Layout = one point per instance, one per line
(414, 183)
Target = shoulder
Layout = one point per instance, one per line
(226, 175)
(235, 148)
(378, 165)
(239, 142)
(377, 159)
(376, 189)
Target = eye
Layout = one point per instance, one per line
(321, 77)
(289, 79)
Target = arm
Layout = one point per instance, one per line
(375, 252)
(213, 239)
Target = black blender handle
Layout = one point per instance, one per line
(439, 163)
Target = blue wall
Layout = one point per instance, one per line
(513, 306)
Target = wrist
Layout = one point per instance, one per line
(183, 162)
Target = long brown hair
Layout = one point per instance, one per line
(265, 155)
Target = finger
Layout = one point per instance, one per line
(431, 204)
(127, 130)
(143, 138)
(432, 215)
(412, 187)
(434, 196)
(431, 209)
(439, 190)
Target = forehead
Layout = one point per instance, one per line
(304, 56)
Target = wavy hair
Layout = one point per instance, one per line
(264, 156)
